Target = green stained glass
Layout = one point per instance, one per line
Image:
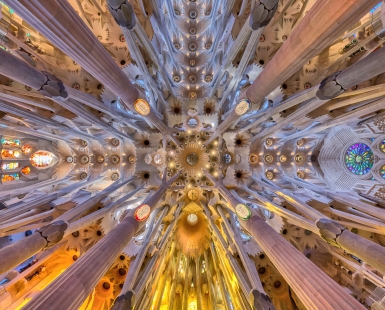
(359, 159)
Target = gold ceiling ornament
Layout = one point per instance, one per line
(300, 142)
(299, 158)
(115, 142)
(269, 175)
(193, 194)
(192, 234)
(253, 158)
(269, 141)
(142, 107)
(300, 174)
(283, 158)
(115, 159)
(192, 159)
(269, 159)
(84, 159)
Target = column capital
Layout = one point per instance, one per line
(329, 87)
(330, 231)
(262, 13)
(123, 13)
(260, 300)
(124, 301)
(53, 233)
(53, 87)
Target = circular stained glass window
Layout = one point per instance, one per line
(359, 158)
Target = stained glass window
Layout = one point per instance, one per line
(382, 146)
(10, 142)
(26, 149)
(382, 171)
(359, 158)
(10, 177)
(10, 153)
(25, 170)
(10, 166)
(41, 159)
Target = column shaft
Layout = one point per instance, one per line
(325, 21)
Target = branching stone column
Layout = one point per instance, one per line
(60, 24)
(71, 288)
(125, 299)
(352, 201)
(257, 290)
(313, 287)
(324, 22)
(18, 252)
(338, 236)
(363, 70)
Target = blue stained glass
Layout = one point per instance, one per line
(382, 171)
(375, 8)
(359, 159)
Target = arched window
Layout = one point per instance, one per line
(41, 159)
(10, 166)
(10, 177)
(10, 153)
(10, 142)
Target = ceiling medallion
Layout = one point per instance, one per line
(84, 159)
(176, 78)
(192, 219)
(83, 175)
(115, 142)
(192, 62)
(269, 142)
(243, 212)
(192, 194)
(84, 143)
(193, 31)
(242, 107)
(193, 157)
(300, 174)
(132, 159)
(193, 14)
(159, 159)
(300, 142)
(114, 176)
(269, 158)
(115, 159)
(142, 213)
(253, 159)
(208, 78)
(100, 159)
(269, 175)
(69, 159)
(208, 45)
(192, 47)
(142, 107)
(192, 79)
(298, 158)
(177, 45)
(193, 95)
(282, 158)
